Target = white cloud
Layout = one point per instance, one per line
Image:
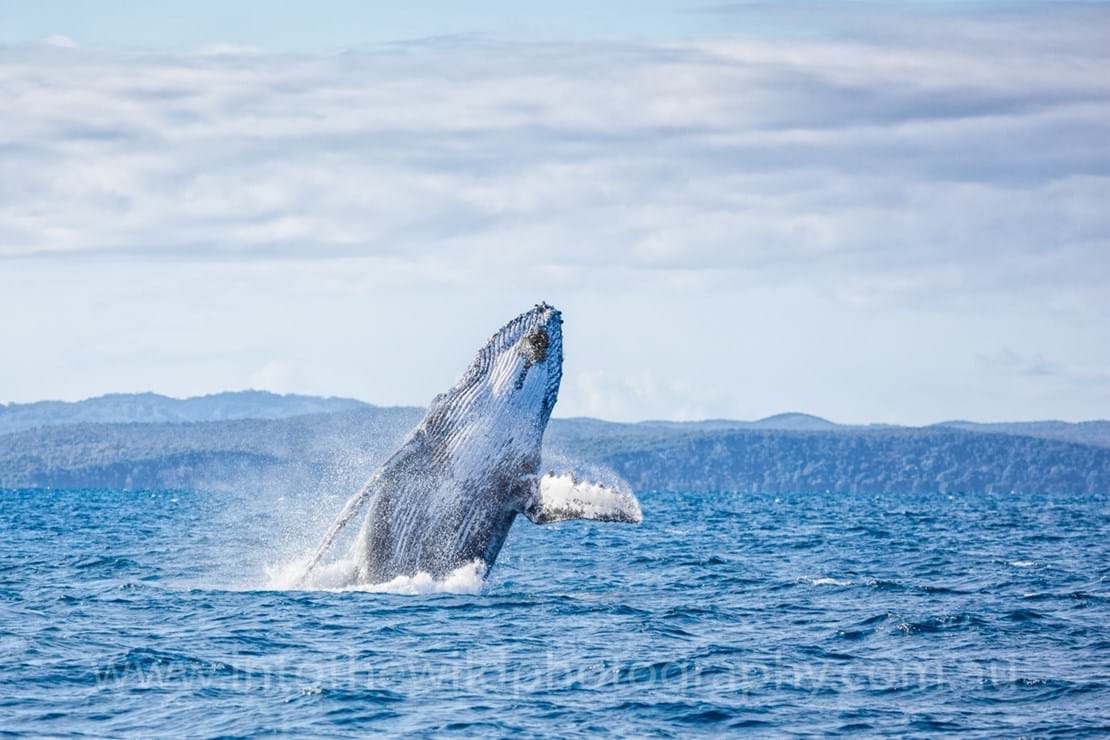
(225, 49)
(59, 41)
(275, 376)
(953, 169)
(864, 160)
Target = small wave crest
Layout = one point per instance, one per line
(342, 575)
(826, 581)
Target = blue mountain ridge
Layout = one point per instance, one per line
(302, 443)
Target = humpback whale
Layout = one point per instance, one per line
(449, 495)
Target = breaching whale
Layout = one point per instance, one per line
(449, 495)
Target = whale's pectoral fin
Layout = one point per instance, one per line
(557, 498)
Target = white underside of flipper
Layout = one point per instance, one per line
(559, 498)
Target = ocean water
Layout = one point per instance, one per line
(164, 613)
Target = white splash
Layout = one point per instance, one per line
(342, 575)
(466, 579)
(588, 500)
(826, 582)
(1021, 563)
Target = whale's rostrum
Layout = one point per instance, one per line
(450, 494)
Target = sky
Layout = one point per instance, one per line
(870, 211)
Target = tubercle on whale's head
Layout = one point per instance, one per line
(515, 377)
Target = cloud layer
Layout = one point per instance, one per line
(960, 165)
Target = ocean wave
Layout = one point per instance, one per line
(724, 628)
(941, 623)
(147, 664)
(108, 564)
(824, 581)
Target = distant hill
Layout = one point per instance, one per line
(1084, 432)
(296, 452)
(337, 451)
(151, 407)
(793, 421)
(261, 440)
(250, 404)
(878, 461)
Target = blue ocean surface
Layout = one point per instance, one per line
(157, 613)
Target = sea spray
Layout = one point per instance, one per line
(342, 575)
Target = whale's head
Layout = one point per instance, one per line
(512, 385)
